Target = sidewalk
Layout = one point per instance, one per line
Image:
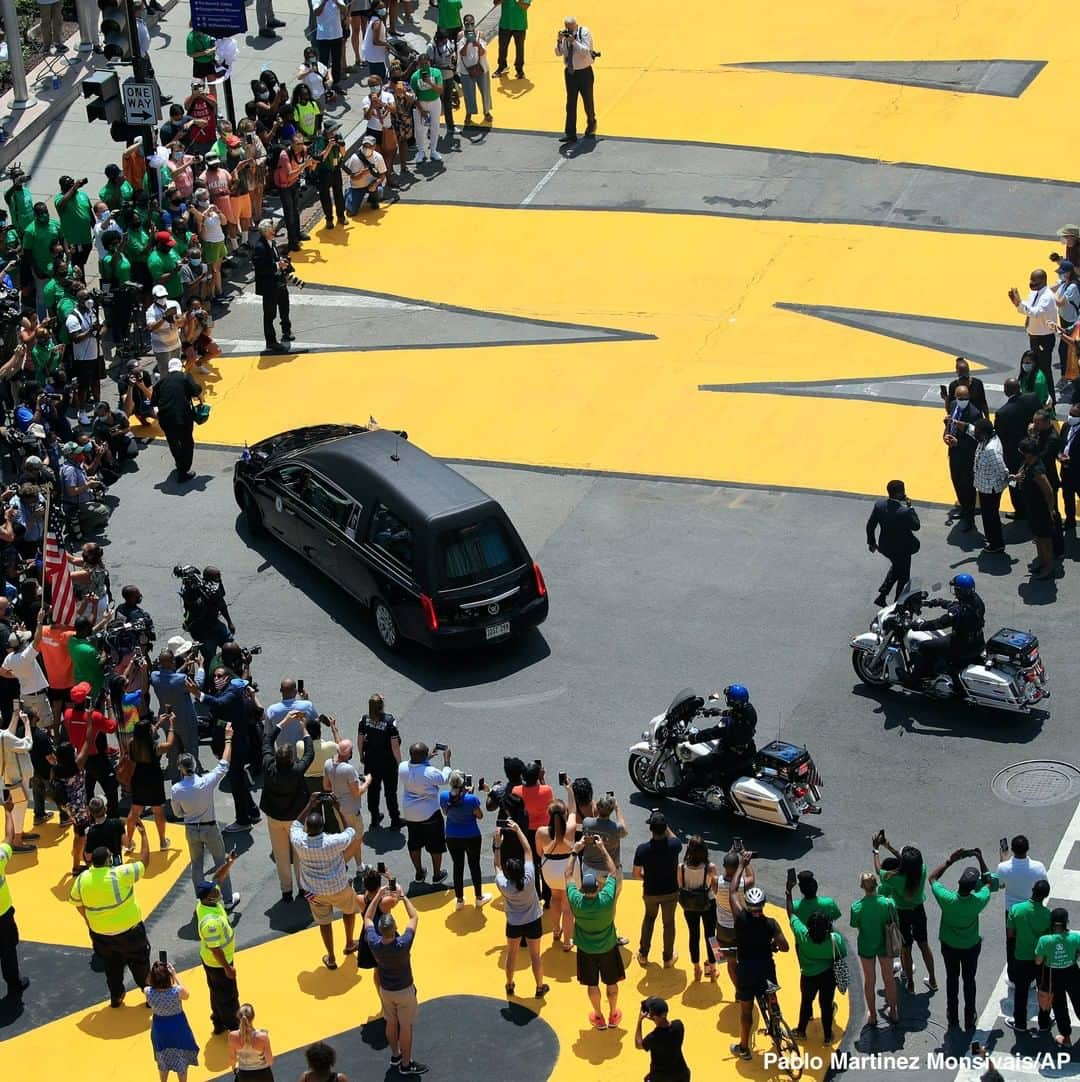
(69, 144)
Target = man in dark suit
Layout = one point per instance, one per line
(959, 437)
(976, 390)
(172, 397)
(890, 530)
(1011, 424)
(272, 285)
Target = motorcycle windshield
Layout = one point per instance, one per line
(684, 704)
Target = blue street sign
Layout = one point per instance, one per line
(219, 18)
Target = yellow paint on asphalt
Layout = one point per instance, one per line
(706, 287)
(456, 953)
(663, 77)
(41, 883)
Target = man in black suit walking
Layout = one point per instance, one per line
(1011, 424)
(272, 284)
(890, 530)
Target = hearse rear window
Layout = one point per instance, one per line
(474, 553)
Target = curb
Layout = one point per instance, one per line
(50, 103)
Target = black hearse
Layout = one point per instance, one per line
(434, 557)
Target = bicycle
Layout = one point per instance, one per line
(783, 1038)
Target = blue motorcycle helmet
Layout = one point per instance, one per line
(962, 583)
(736, 693)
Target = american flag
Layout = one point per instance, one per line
(57, 569)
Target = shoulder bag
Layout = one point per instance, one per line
(894, 939)
(839, 967)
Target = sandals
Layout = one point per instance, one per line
(710, 972)
(326, 961)
(542, 990)
(352, 948)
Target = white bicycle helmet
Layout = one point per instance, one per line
(755, 896)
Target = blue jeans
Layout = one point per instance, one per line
(354, 197)
(200, 838)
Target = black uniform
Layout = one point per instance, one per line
(966, 616)
(736, 735)
(378, 754)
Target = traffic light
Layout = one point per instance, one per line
(115, 30)
(103, 90)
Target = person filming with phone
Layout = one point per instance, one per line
(421, 783)
(664, 1043)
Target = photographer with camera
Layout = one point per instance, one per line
(205, 608)
(664, 1043)
(163, 321)
(272, 284)
(135, 388)
(380, 108)
(83, 511)
(112, 429)
(574, 44)
(367, 176)
(84, 326)
(328, 150)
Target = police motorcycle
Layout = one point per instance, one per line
(1008, 674)
(775, 785)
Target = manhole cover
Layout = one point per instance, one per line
(1037, 783)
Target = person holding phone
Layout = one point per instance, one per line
(817, 947)
(420, 784)
(175, 1047)
(903, 878)
(537, 797)
(961, 940)
(553, 840)
(869, 916)
(463, 813)
(1017, 873)
(290, 712)
(516, 881)
(216, 948)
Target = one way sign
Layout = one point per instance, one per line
(142, 104)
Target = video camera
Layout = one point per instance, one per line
(122, 637)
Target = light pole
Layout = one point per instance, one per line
(23, 98)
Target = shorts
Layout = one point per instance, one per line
(85, 372)
(213, 251)
(751, 979)
(597, 969)
(725, 936)
(400, 1007)
(428, 835)
(533, 930)
(59, 695)
(323, 905)
(226, 209)
(241, 205)
(912, 924)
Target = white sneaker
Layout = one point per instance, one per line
(436, 156)
(459, 904)
(483, 900)
(420, 159)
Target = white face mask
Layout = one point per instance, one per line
(1027, 367)
(1071, 420)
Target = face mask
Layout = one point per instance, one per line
(1071, 420)
(195, 264)
(41, 219)
(1026, 367)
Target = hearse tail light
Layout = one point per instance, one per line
(431, 617)
(541, 586)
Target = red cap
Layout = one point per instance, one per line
(165, 237)
(79, 692)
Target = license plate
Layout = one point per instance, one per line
(497, 631)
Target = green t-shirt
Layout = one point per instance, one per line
(1029, 920)
(112, 195)
(198, 42)
(815, 958)
(960, 915)
(36, 240)
(326, 167)
(870, 915)
(429, 93)
(46, 361)
(1058, 951)
(514, 15)
(64, 307)
(894, 885)
(594, 918)
(164, 268)
(805, 908)
(76, 217)
(449, 14)
(20, 206)
(137, 244)
(52, 293)
(86, 665)
(183, 239)
(115, 268)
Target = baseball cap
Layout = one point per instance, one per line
(176, 364)
(162, 236)
(969, 880)
(160, 291)
(79, 692)
(70, 448)
(234, 140)
(238, 682)
(205, 889)
(213, 159)
(588, 882)
(1069, 231)
(368, 141)
(33, 461)
(1065, 265)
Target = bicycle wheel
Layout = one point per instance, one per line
(787, 1047)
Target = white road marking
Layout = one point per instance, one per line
(1064, 886)
(542, 183)
(298, 298)
(257, 345)
(511, 701)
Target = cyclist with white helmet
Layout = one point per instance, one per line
(757, 938)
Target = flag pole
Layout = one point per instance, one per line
(45, 540)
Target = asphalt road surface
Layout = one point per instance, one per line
(654, 586)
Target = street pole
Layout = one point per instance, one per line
(23, 98)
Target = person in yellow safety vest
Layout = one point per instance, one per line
(105, 897)
(216, 948)
(9, 930)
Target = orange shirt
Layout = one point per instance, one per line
(536, 798)
(54, 652)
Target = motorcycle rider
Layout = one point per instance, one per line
(965, 616)
(735, 732)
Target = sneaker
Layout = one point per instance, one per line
(413, 1068)
(395, 1061)
(542, 990)
(881, 601)
(440, 876)
(203, 370)
(597, 1020)
(1012, 1024)
(420, 159)
(288, 336)
(420, 876)
(305, 236)
(459, 904)
(482, 901)
(643, 959)
(615, 1018)
(741, 1051)
(396, 824)
(622, 941)
(274, 24)
(932, 985)
(436, 156)
(500, 71)
(672, 960)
